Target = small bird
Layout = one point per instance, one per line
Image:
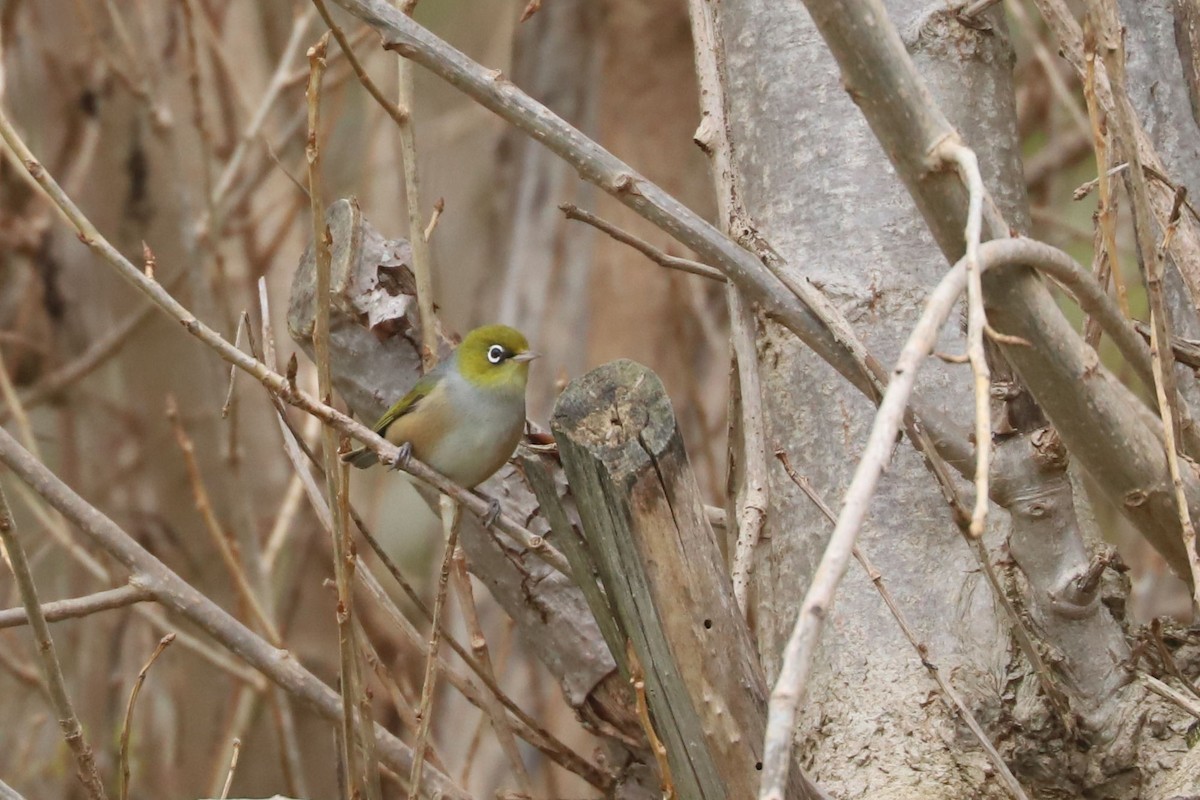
(464, 417)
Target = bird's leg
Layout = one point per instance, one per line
(493, 510)
(403, 456)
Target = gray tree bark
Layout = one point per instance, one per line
(818, 187)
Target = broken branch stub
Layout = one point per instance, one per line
(374, 363)
(665, 578)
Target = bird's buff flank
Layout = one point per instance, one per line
(465, 417)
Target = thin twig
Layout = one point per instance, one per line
(72, 730)
(422, 263)
(637, 679)
(754, 499)
(1188, 704)
(531, 8)
(952, 698)
(801, 646)
(1111, 40)
(439, 206)
(357, 781)
(398, 113)
(429, 683)
(968, 169)
(1106, 208)
(78, 607)
(1162, 354)
(233, 762)
(492, 710)
(641, 245)
(127, 724)
(216, 530)
(243, 325)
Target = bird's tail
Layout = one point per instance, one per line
(361, 458)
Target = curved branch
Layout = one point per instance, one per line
(802, 644)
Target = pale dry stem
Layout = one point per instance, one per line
(952, 698)
(964, 160)
(52, 674)
(815, 609)
(429, 682)
(479, 647)
(422, 261)
(77, 607)
(358, 781)
(637, 679)
(233, 762)
(398, 113)
(127, 724)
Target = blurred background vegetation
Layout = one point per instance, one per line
(152, 115)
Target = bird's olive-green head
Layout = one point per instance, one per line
(495, 357)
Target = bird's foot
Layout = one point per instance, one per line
(493, 512)
(403, 456)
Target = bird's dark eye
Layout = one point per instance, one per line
(496, 353)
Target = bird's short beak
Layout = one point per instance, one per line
(528, 355)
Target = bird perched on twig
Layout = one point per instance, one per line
(465, 417)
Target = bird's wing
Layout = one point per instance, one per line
(405, 405)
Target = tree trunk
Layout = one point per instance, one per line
(816, 185)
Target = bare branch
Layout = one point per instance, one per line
(952, 698)
(275, 383)
(968, 168)
(429, 683)
(127, 724)
(801, 647)
(79, 606)
(64, 711)
(641, 245)
(422, 260)
(179, 596)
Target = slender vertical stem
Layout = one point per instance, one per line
(492, 709)
(1110, 42)
(424, 716)
(965, 161)
(51, 669)
(422, 265)
(127, 725)
(753, 496)
(343, 567)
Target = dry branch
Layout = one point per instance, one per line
(64, 711)
(1098, 418)
(179, 596)
(76, 607)
(802, 644)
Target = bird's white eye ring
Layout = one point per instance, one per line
(495, 354)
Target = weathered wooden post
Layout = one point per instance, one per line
(665, 579)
